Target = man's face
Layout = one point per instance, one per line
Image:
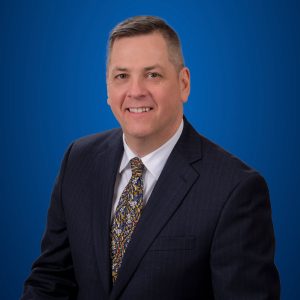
(145, 91)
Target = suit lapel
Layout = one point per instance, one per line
(174, 183)
(106, 167)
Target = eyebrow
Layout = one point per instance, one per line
(119, 69)
(149, 68)
(156, 66)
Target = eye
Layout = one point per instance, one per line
(153, 75)
(121, 76)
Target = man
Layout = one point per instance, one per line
(154, 211)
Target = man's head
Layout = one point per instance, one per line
(146, 87)
(143, 25)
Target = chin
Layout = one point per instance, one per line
(138, 133)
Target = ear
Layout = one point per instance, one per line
(185, 83)
(107, 91)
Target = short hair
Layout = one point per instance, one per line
(141, 25)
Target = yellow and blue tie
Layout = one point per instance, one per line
(127, 215)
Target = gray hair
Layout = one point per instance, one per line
(141, 25)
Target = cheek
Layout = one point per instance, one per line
(168, 98)
(115, 97)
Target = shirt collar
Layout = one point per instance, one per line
(156, 160)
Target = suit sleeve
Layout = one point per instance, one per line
(242, 254)
(52, 275)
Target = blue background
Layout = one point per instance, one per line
(244, 58)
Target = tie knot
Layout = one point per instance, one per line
(137, 167)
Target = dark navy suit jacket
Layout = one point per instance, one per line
(206, 232)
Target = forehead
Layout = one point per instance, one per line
(150, 49)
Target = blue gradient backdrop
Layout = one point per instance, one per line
(244, 58)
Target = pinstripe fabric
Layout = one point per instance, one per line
(206, 233)
(127, 215)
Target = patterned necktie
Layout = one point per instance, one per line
(127, 215)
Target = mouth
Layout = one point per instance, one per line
(138, 110)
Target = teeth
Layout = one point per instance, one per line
(139, 109)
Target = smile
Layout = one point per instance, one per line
(138, 109)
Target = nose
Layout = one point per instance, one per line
(137, 88)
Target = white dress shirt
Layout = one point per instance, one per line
(154, 162)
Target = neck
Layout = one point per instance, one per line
(144, 145)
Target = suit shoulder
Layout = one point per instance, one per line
(214, 151)
(97, 142)
(224, 162)
(100, 138)
(212, 158)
